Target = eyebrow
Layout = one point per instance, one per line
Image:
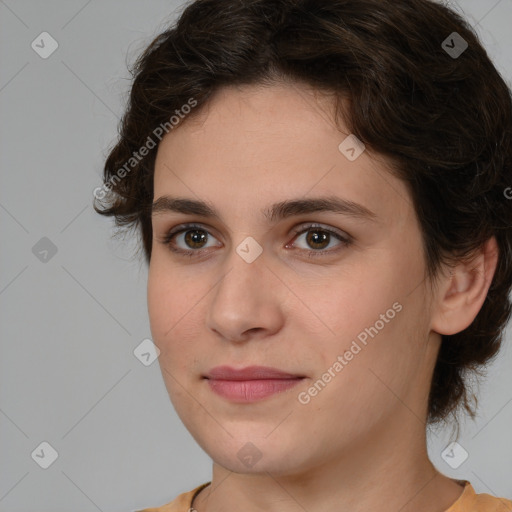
(276, 212)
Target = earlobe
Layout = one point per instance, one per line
(461, 294)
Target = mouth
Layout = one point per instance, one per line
(250, 384)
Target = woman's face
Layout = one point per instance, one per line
(335, 299)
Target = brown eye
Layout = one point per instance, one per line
(195, 239)
(318, 241)
(188, 240)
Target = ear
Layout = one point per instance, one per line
(460, 294)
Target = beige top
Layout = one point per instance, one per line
(468, 501)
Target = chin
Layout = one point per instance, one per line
(247, 454)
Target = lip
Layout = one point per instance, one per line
(249, 384)
(248, 373)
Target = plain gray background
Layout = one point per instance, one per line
(69, 325)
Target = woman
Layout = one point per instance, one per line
(320, 188)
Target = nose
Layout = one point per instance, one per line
(247, 301)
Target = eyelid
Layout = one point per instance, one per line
(188, 226)
(306, 226)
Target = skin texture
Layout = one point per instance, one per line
(360, 443)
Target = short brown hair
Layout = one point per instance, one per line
(444, 120)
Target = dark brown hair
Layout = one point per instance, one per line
(444, 121)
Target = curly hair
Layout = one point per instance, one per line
(443, 119)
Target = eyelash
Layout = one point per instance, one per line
(345, 241)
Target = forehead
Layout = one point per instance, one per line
(250, 143)
(257, 111)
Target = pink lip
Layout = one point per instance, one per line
(248, 373)
(251, 383)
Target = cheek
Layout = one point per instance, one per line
(371, 314)
(355, 299)
(381, 355)
(176, 314)
(167, 301)
(159, 300)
